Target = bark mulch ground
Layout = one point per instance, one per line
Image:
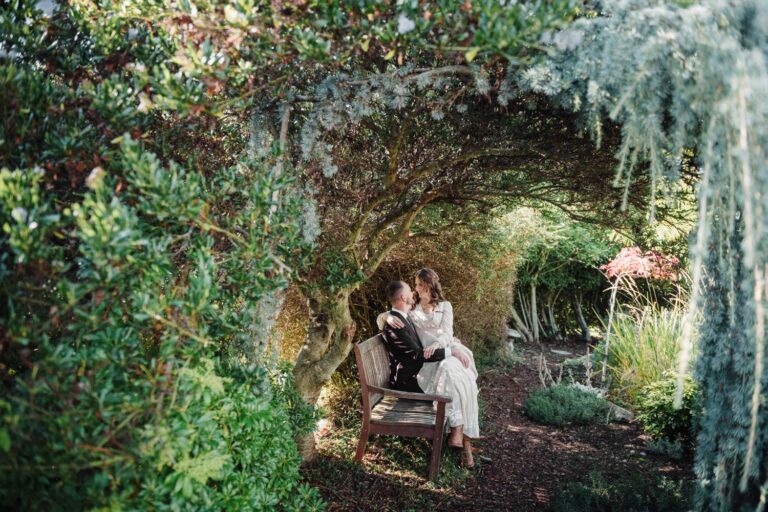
(521, 466)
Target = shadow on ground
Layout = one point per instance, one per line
(522, 465)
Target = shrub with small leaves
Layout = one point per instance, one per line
(657, 414)
(135, 386)
(665, 447)
(564, 405)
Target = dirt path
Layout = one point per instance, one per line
(521, 467)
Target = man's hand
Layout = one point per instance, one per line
(462, 357)
(395, 322)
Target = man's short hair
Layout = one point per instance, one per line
(394, 289)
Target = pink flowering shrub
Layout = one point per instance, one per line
(632, 262)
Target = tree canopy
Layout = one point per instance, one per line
(150, 212)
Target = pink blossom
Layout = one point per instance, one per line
(632, 262)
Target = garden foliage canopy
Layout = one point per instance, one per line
(150, 214)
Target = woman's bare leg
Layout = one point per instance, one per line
(466, 454)
(457, 436)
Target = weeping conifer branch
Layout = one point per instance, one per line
(695, 78)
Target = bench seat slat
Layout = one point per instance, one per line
(397, 411)
(390, 403)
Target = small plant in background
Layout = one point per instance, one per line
(638, 493)
(663, 446)
(588, 389)
(501, 359)
(658, 416)
(580, 370)
(564, 405)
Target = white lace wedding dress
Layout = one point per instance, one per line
(447, 377)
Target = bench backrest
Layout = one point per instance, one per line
(372, 369)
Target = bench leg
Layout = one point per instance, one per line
(434, 465)
(365, 431)
(437, 442)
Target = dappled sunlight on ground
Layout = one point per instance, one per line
(521, 465)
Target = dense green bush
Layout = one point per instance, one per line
(657, 414)
(223, 443)
(135, 385)
(139, 250)
(562, 405)
(636, 493)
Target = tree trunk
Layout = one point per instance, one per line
(329, 341)
(542, 329)
(520, 326)
(585, 334)
(524, 309)
(551, 318)
(534, 314)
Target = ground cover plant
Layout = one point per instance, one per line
(563, 404)
(634, 493)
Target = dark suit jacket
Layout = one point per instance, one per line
(406, 355)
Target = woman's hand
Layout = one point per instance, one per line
(430, 350)
(395, 322)
(462, 357)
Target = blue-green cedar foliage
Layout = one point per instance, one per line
(679, 75)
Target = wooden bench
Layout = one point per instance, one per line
(399, 413)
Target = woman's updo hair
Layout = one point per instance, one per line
(431, 280)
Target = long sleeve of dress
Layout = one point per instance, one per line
(446, 326)
(436, 326)
(446, 322)
(381, 320)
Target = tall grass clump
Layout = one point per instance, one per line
(645, 337)
(645, 344)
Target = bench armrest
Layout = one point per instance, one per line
(409, 395)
